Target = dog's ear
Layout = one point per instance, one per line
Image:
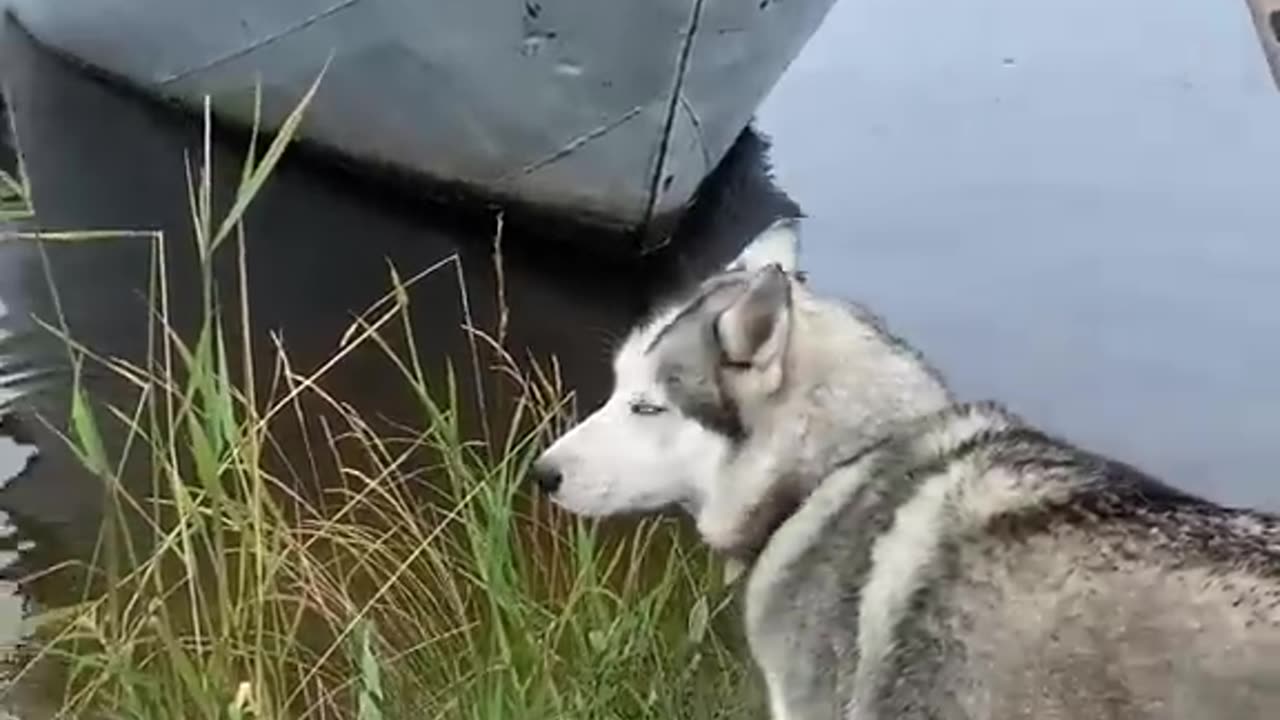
(778, 244)
(753, 330)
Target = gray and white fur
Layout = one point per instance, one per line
(911, 556)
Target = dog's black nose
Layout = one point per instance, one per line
(548, 478)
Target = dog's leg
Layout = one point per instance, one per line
(788, 701)
(777, 700)
(792, 665)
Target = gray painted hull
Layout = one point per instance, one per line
(610, 112)
(1266, 18)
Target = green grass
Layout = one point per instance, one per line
(420, 580)
(15, 187)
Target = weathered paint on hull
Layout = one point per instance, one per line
(612, 112)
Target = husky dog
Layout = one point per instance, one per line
(911, 556)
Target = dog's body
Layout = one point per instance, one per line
(971, 567)
(912, 557)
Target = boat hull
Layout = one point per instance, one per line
(610, 112)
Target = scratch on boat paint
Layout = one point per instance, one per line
(673, 104)
(274, 37)
(697, 130)
(574, 144)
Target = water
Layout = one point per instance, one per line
(1070, 208)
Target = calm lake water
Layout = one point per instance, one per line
(1071, 208)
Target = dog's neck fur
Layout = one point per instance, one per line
(835, 403)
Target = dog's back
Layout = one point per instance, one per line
(972, 567)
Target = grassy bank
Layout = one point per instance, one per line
(383, 571)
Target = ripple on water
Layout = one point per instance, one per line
(15, 457)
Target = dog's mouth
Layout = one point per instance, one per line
(678, 510)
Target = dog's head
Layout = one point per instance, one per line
(733, 403)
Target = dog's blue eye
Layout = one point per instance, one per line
(643, 408)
